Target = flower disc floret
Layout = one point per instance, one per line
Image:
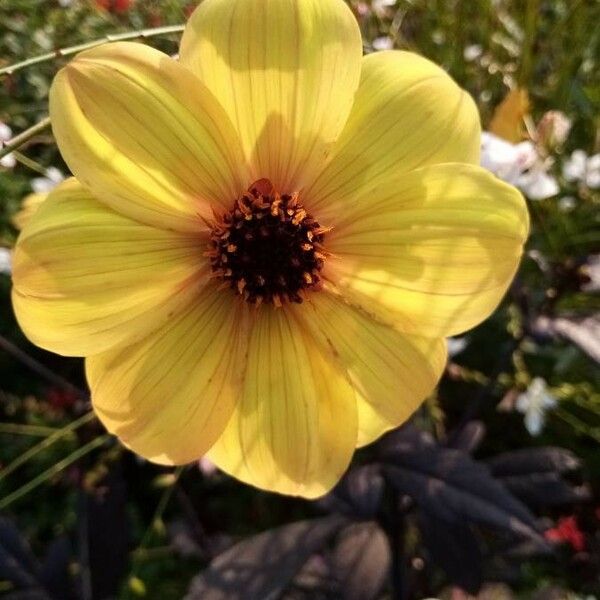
(267, 248)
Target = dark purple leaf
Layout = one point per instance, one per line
(545, 489)
(406, 439)
(17, 563)
(263, 566)
(533, 460)
(54, 574)
(29, 594)
(455, 549)
(468, 437)
(451, 486)
(361, 561)
(106, 533)
(534, 475)
(358, 494)
(314, 581)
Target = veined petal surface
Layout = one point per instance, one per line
(286, 73)
(169, 396)
(294, 428)
(392, 373)
(146, 136)
(433, 252)
(86, 278)
(408, 113)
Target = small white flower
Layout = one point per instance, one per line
(456, 345)
(567, 203)
(207, 466)
(519, 165)
(534, 403)
(537, 184)
(383, 43)
(42, 185)
(507, 161)
(8, 161)
(5, 261)
(472, 52)
(579, 167)
(553, 129)
(380, 7)
(592, 177)
(438, 37)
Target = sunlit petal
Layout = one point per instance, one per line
(285, 72)
(408, 113)
(86, 278)
(145, 135)
(295, 427)
(169, 396)
(392, 372)
(433, 252)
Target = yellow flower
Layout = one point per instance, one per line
(29, 206)
(266, 242)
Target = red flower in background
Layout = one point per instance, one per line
(61, 399)
(567, 532)
(115, 6)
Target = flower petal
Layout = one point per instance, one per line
(286, 73)
(294, 429)
(145, 135)
(29, 206)
(169, 396)
(407, 113)
(86, 278)
(392, 372)
(433, 252)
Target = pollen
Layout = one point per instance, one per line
(267, 248)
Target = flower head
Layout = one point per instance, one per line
(534, 403)
(580, 167)
(42, 185)
(115, 6)
(5, 261)
(567, 531)
(518, 164)
(8, 161)
(266, 242)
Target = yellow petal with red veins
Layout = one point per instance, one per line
(294, 429)
(146, 136)
(433, 252)
(408, 113)
(86, 278)
(169, 396)
(392, 372)
(285, 72)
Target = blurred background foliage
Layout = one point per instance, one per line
(93, 514)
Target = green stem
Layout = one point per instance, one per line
(117, 37)
(23, 137)
(29, 163)
(52, 471)
(23, 458)
(531, 28)
(577, 424)
(37, 367)
(139, 552)
(21, 429)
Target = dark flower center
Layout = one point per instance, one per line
(267, 248)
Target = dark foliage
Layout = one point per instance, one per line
(450, 497)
